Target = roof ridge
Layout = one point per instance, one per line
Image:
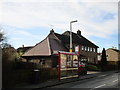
(49, 46)
(80, 36)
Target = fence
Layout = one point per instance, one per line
(22, 72)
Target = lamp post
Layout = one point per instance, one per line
(71, 34)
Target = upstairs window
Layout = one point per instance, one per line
(82, 48)
(91, 49)
(85, 48)
(88, 48)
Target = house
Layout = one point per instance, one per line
(113, 56)
(45, 52)
(23, 48)
(21, 51)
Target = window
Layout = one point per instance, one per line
(82, 48)
(42, 61)
(85, 48)
(88, 49)
(91, 49)
(94, 50)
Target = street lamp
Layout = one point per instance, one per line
(71, 34)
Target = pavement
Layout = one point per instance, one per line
(50, 83)
(104, 80)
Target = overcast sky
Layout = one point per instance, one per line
(27, 22)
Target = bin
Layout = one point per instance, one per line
(36, 76)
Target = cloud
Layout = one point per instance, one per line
(19, 36)
(94, 18)
(60, 0)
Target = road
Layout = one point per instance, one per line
(104, 80)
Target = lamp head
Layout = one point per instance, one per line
(73, 21)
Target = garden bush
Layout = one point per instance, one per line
(83, 71)
(48, 73)
(92, 68)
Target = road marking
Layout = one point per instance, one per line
(100, 86)
(102, 75)
(115, 80)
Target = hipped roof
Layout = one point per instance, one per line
(113, 49)
(57, 42)
(40, 49)
(45, 48)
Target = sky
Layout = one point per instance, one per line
(27, 22)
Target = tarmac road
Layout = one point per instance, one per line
(105, 80)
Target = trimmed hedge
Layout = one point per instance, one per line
(24, 74)
(48, 73)
(92, 68)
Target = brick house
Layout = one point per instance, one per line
(23, 48)
(45, 52)
(113, 56)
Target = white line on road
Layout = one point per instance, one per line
(102, 75)
(100, 86)
(115, 80)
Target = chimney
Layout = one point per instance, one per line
(52, 31)
(112, 47)
(23, 46)
(79, 32)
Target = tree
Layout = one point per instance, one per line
(103, 59)
(1, 36)
(3, 40)
(8, 52)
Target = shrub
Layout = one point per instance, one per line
(83, 71)
(92, 68)
(48, 73)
